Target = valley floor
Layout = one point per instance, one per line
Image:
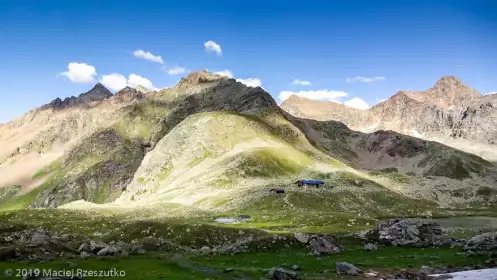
(200, 231)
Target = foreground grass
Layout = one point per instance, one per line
(197, 232)
(255, 265)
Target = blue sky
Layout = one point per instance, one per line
(404, 44)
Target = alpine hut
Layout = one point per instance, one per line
(312, 183)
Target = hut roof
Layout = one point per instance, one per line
(311, 182)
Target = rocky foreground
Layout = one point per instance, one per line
(39, 245)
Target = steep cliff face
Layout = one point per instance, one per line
(449, 112)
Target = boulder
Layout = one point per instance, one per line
(110, 251)
(323, 245)
(302, 237)
(399, 232)
(205, 250)
(347, 268)
(486, 242)
(96, 246)
(370, 247)
(283, 274)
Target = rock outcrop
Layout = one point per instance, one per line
(412, 232)
(319, 244)
(485, 242)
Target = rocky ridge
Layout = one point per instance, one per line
(97, 93)
(449, 112)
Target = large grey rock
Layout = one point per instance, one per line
(406, 232)
(96, 246)
(110, 251)
(302, 237)
(486, 241)
(370, 247)
(283, 274)
(347, 268)
(205, 250)
(323, 245)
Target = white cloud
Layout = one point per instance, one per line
(211, 46)
(80, 72)
(226, 73)
(301, 83)
(492, 92)
(148, 56)
(176, 70)
(357, 103)
(251, 82)
(116, 81)
(321, 95)
(361, 79)
(137, 80)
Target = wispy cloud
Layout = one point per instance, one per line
(211, 46)
(80, 73)
(301, 82)
(492, 92)
(368, 80)
(148, 56)
(176, 70)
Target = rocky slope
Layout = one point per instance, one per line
(449, 112)
(212, 142)
(45, 134)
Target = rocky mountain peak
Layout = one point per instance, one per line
(448, 81)
(127, 94)
(201, 77)
(450, 89)
(98, 93)
(293, 98)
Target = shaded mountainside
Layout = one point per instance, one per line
(212, 142)
(449, 112)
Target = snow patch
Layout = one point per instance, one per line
(480, 274)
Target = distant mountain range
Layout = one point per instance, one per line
(213, 143)
(450, 112)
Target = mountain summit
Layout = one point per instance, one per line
(449, 91)
(98, 93)
(198, 78)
